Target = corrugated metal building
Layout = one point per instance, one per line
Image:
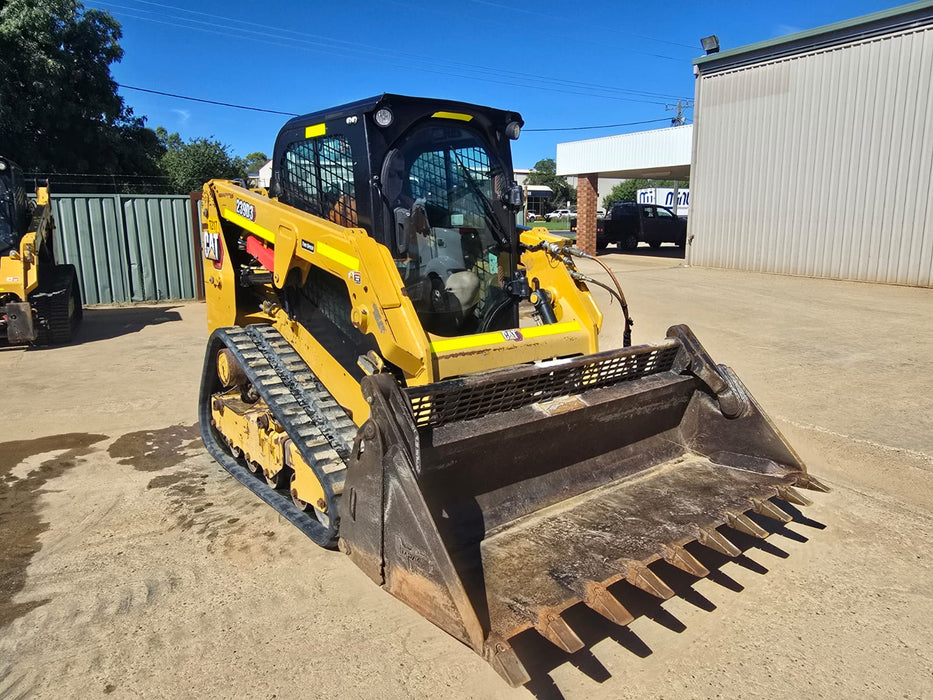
(813, 153)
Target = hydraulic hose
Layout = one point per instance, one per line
(563, 251)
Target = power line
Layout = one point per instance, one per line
(214, 19)
(42, 173)
(317, 43)
(510, 8)
(603, 126)
(292, 114)
(210, 102)
(537, 13)
(439, 70)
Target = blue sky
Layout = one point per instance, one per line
(559, 64)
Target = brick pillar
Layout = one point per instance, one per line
(586, 212)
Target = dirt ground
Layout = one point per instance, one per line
(132, 565)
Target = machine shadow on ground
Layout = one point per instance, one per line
(105, 323)
(540, 657)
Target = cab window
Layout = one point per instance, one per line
(317, 176)
(450, 243)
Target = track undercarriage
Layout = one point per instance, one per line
(49, 315)
(275, 428)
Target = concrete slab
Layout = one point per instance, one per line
(133, 565)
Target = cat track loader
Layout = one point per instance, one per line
(40, 301)
(403, 373)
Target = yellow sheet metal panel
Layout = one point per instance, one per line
(19, 274)
(348, 261)
(250, 226)
(500, 337)
(219, 275)
(514, 347)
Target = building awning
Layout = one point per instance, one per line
(538, 190)
(660, 154)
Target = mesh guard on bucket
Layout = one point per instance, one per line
(504, 390)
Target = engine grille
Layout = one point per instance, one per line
(505, 390)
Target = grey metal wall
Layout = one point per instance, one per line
(127, 247)
(819, 164)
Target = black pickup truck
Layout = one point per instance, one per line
(630, 223)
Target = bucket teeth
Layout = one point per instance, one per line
(606, 604)
(555, 629)
(507, 664)
(806, 481)
(769, 510)
(712, 538)
(644, 578)
(742, 523)
(683, 560)
(792, 495)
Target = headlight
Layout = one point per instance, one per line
(384, 117)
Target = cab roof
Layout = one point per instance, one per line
(371, 104)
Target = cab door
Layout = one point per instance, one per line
(650, 224)
(669, 226)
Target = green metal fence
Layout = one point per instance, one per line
(127, 248)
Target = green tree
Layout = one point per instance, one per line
(252, 162)
(545, 173)
(189, 165)
(59, 107)
(627, 190)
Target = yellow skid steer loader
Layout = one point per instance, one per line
(401, 372)
(40, 301)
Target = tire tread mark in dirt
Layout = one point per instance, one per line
(9, 686)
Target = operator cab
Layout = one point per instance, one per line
(429, 179)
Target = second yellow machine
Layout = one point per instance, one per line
(399, 370)
(40, 301)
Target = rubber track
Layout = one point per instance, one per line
(307, 389)
(51, 305)
(299, 403)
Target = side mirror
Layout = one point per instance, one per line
(275, 187)
(419, 218)
(514, 197)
